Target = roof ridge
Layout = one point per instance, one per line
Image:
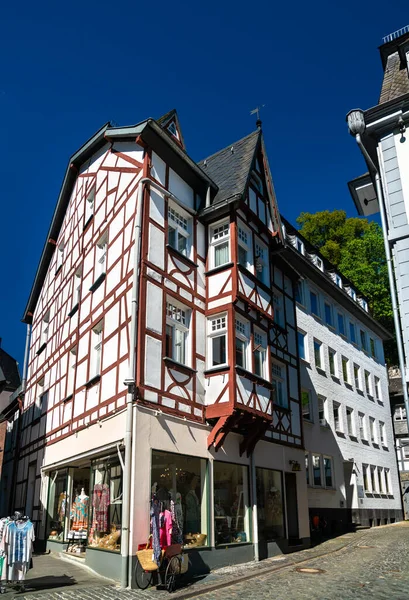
(257, 131)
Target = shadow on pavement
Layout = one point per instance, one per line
(49, 582)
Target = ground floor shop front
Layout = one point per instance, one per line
(224, 507)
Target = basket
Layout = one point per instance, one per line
(145, 558)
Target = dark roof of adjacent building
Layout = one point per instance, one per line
(230, 168)
(9, 375)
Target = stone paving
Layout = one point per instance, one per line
(367, 565)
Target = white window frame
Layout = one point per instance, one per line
(321, 365)
(368, 383)
(377, 387)
(45, 328)
(372, 470)
(260, 348)
(38, 402)
(242, 329)
(399, 413)
(96, 349)
(335, 362)
(217, 327)
(338, 280)
(381, 480)
(89, 205)
(345, 360)
(305, 344)
(101, 249)
(71, 367)
(323, 418)
(352, 293)
(366, 476)
(331, 461)
(319, 457)
(357, 377)
(319, 263)
(338, 407)
(261, 262)
(299, 245)
(244, 241)
(372, 431)
(350, 430)
(382, 434)
(388, 482)
(219, 234)
(279, 381)
(180, 221)
(362, 427)
(178, 319)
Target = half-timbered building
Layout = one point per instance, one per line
(163, 355)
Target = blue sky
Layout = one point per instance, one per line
(67, 69)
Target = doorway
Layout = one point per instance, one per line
(292, 508)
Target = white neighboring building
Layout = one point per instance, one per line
(350, 461)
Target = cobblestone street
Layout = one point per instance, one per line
(369, 564)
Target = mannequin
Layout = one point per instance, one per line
(193, 516)
(83, 494)
(79, 511)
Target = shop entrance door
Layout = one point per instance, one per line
(292, 508)
(30, 490)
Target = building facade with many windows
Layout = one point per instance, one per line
(163, 358)
(350, 461)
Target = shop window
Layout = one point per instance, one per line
(231, 503)
(217, 341)
(260, 354)
(242, 343)
(244, 246)
(182, 479)
(220, 244)
(279, 385)
(78, 516)
(179, 227)
(307, 467)
(270, 510)
(106, 506)
(57, 505)
(177, 332)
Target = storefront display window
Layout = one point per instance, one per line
(106, 506)
(179, 482)
(79, 510)
(231, 503)
(57, 499)
(270, 511)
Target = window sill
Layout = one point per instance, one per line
(364, 441)
(217, 369)
(41, 348)
(92, 381)
(353, 438)
(68, 398)
(232, 544)
(336, 379)
(358, 391)
(370, 397)
(340, 433)
(97, 282)
(349, 386)
(182, 367)
(385, 448)
(215, 270)
(321, 371)
(376, 445)
(181, 256)
(87, 222)
(57, 270)
(74, 310)
(305, 362)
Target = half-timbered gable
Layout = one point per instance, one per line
(252, 377)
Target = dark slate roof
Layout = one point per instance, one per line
(9, 375)
(229, 168)
(395, 80)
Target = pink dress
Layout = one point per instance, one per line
(165, 520)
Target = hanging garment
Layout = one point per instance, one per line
(79, 513)
(100, 503)
(61, 506)
(193, 516)
(165, 528)
(155, 528)
(3, 555)
(19, 538)
(177, 537)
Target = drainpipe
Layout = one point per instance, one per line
(208, 197)
(130, 380)
(25, 363)
(254, 506)
(396, 319)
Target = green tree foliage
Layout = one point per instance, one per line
(355, 247)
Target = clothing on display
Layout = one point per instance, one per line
(61, 506)
(79, 511)
(16, 547)
(100, 504)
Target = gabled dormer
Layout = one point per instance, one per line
(395, 55)
(170, 123)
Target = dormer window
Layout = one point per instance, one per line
(338, 280)
(319, 263)
(179, 227)
(352, 293)
(299, 245)
(172, 129)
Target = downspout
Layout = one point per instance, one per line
(254, 512)
(130, 380)
(25, 363)
(396, 319)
